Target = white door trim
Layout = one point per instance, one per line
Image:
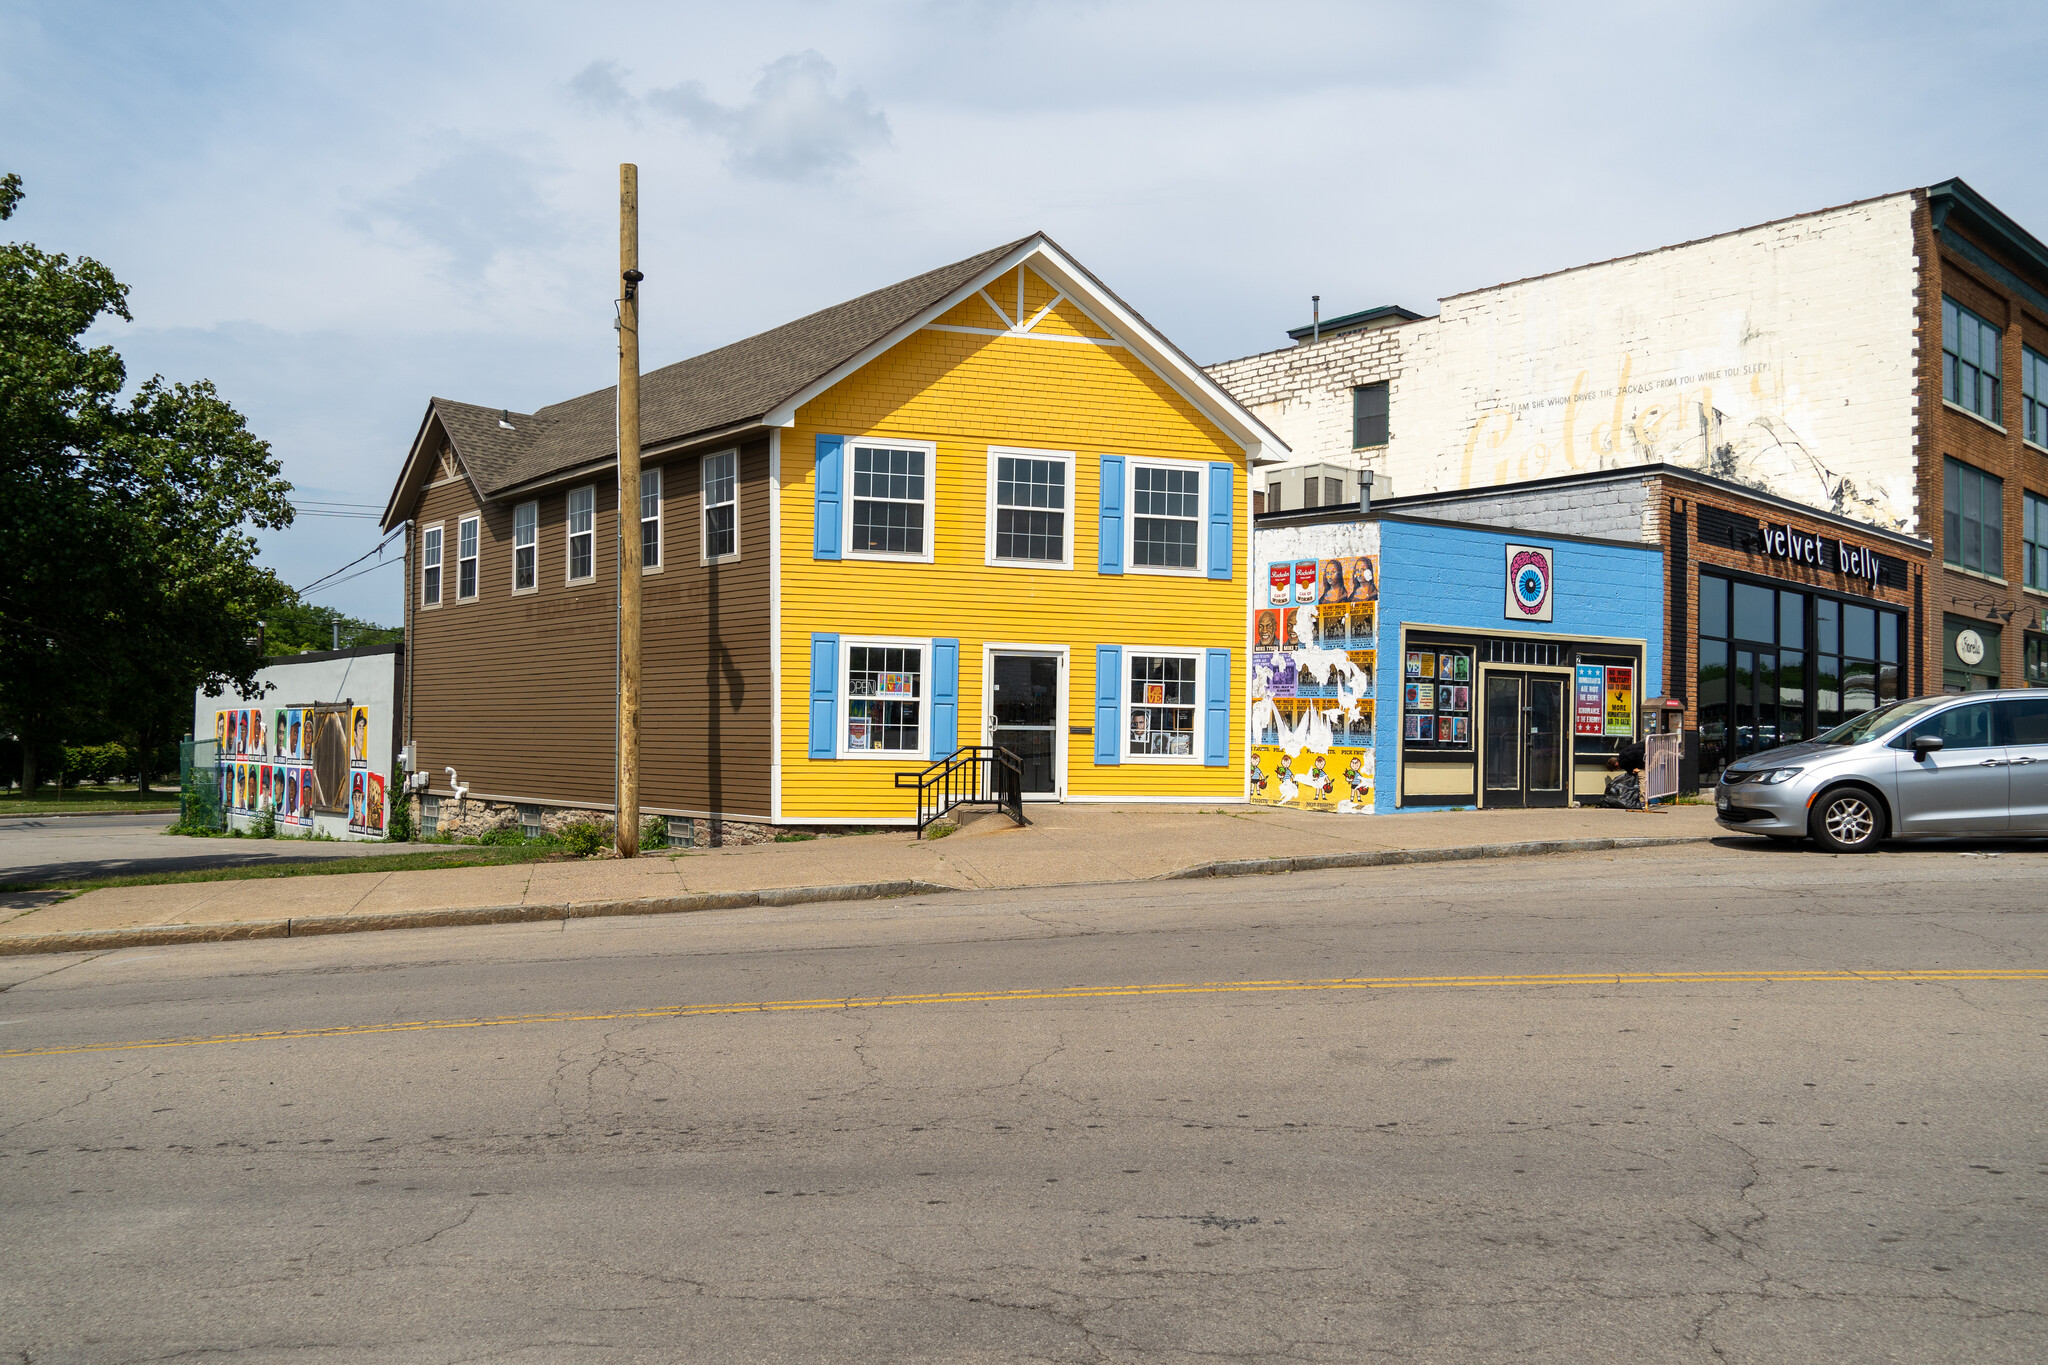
(1063, 653)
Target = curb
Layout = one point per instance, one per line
(1260, 867)
(156, 935)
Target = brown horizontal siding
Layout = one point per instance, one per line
(517, 692)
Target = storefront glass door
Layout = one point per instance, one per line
(1025, 705)
(1524, 739)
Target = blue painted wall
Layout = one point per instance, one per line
(1457, 576)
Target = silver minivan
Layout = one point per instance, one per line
(1969, 765)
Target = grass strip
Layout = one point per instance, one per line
(98, 801)
(463, 855)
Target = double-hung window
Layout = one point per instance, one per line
(465, 558)
(1972, 518)
(892, 494)
(1028, 507)
(650, 519)
(2034, 395)
(526, 547)
(1166, 517)
(2035, 542)
(430, 566)
(884, 691)
(1969, 361)
(582, 534)
(1369, 415)
(1162, 693)
(721, 506)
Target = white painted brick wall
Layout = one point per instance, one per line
(1780, 356)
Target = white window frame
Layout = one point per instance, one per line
(532, 547)
(659, 519)
(704, 506)
(931, 501)
(998, 453)
(1132, 464)
(475, 526)
(1194, 756)
(849, 643)
(569, 524)
(437, 529)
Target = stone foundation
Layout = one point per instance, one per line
(472, 819)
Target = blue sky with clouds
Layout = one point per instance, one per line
(336, 211)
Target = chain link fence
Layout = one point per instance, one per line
(200, 779)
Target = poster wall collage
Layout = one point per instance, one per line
(265, 759)
(1314, 649)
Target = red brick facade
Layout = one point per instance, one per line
(1946, 431)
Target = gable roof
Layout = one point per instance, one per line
(754, 382)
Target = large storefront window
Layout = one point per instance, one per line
(1777, 666)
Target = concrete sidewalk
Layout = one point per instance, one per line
(1063, 845)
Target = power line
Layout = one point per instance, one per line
(323, 587)
(357, 560)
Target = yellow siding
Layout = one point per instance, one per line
(972, 311)
(966, 392)
(1068, 320)
(1037, 294)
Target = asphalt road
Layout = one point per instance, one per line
(52, 848)
(1159, 1122)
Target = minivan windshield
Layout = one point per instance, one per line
(1872, 723)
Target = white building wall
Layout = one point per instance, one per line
(1782, 357)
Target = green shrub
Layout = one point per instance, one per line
(794, 837)
(586, 837)
(654, 832)
(400, 830)
(265, 827)
(504, 836)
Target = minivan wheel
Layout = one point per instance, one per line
(1847, 821)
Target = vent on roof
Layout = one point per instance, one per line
(505, 419)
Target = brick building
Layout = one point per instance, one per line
(1780, 407)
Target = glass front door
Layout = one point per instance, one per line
(1524, 742)
(1025, 704)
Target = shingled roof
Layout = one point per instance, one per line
(716, 391)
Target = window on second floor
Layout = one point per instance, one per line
(465, 558)
(2034, 395)
(1972, 518)
(582, 534)
(1166, 517)
(2034, 541)
(891, 500)
(430, 566)
(650, 519)
(1028, 507)
(721, 506)
(1369, 415)
(526, 547)
(1969, 361)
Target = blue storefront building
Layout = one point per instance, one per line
(1401, 663)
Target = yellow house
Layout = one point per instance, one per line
(990, 505)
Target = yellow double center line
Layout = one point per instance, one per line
(1168, 988)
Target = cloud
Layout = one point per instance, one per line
(602, 86)
(469, 208)
(794, 125)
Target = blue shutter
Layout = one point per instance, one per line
(1109, 681)
(945, 696)
(831, 461)
(1222, 518)
(824, 696)
(1110, 556)
(1216, 705)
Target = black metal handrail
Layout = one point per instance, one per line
(974, 775)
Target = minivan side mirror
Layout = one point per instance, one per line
(1924, 745)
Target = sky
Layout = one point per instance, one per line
(337, 211)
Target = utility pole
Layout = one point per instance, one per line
(628, 801)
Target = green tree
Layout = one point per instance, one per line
(127, 577)
(299, 626)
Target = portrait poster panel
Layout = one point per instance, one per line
(1621, 707)
(376, 803)
(266, 798)
(289, 807)
(359, 735)
(1266, 629)
(1427, 727)
(1589, 686)
(220, 732)
(1348, 578)
(1287, 627)
(356, 796)
(298, 741)
(306, 796)
(282, 731)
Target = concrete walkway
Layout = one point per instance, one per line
(1063, 845)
